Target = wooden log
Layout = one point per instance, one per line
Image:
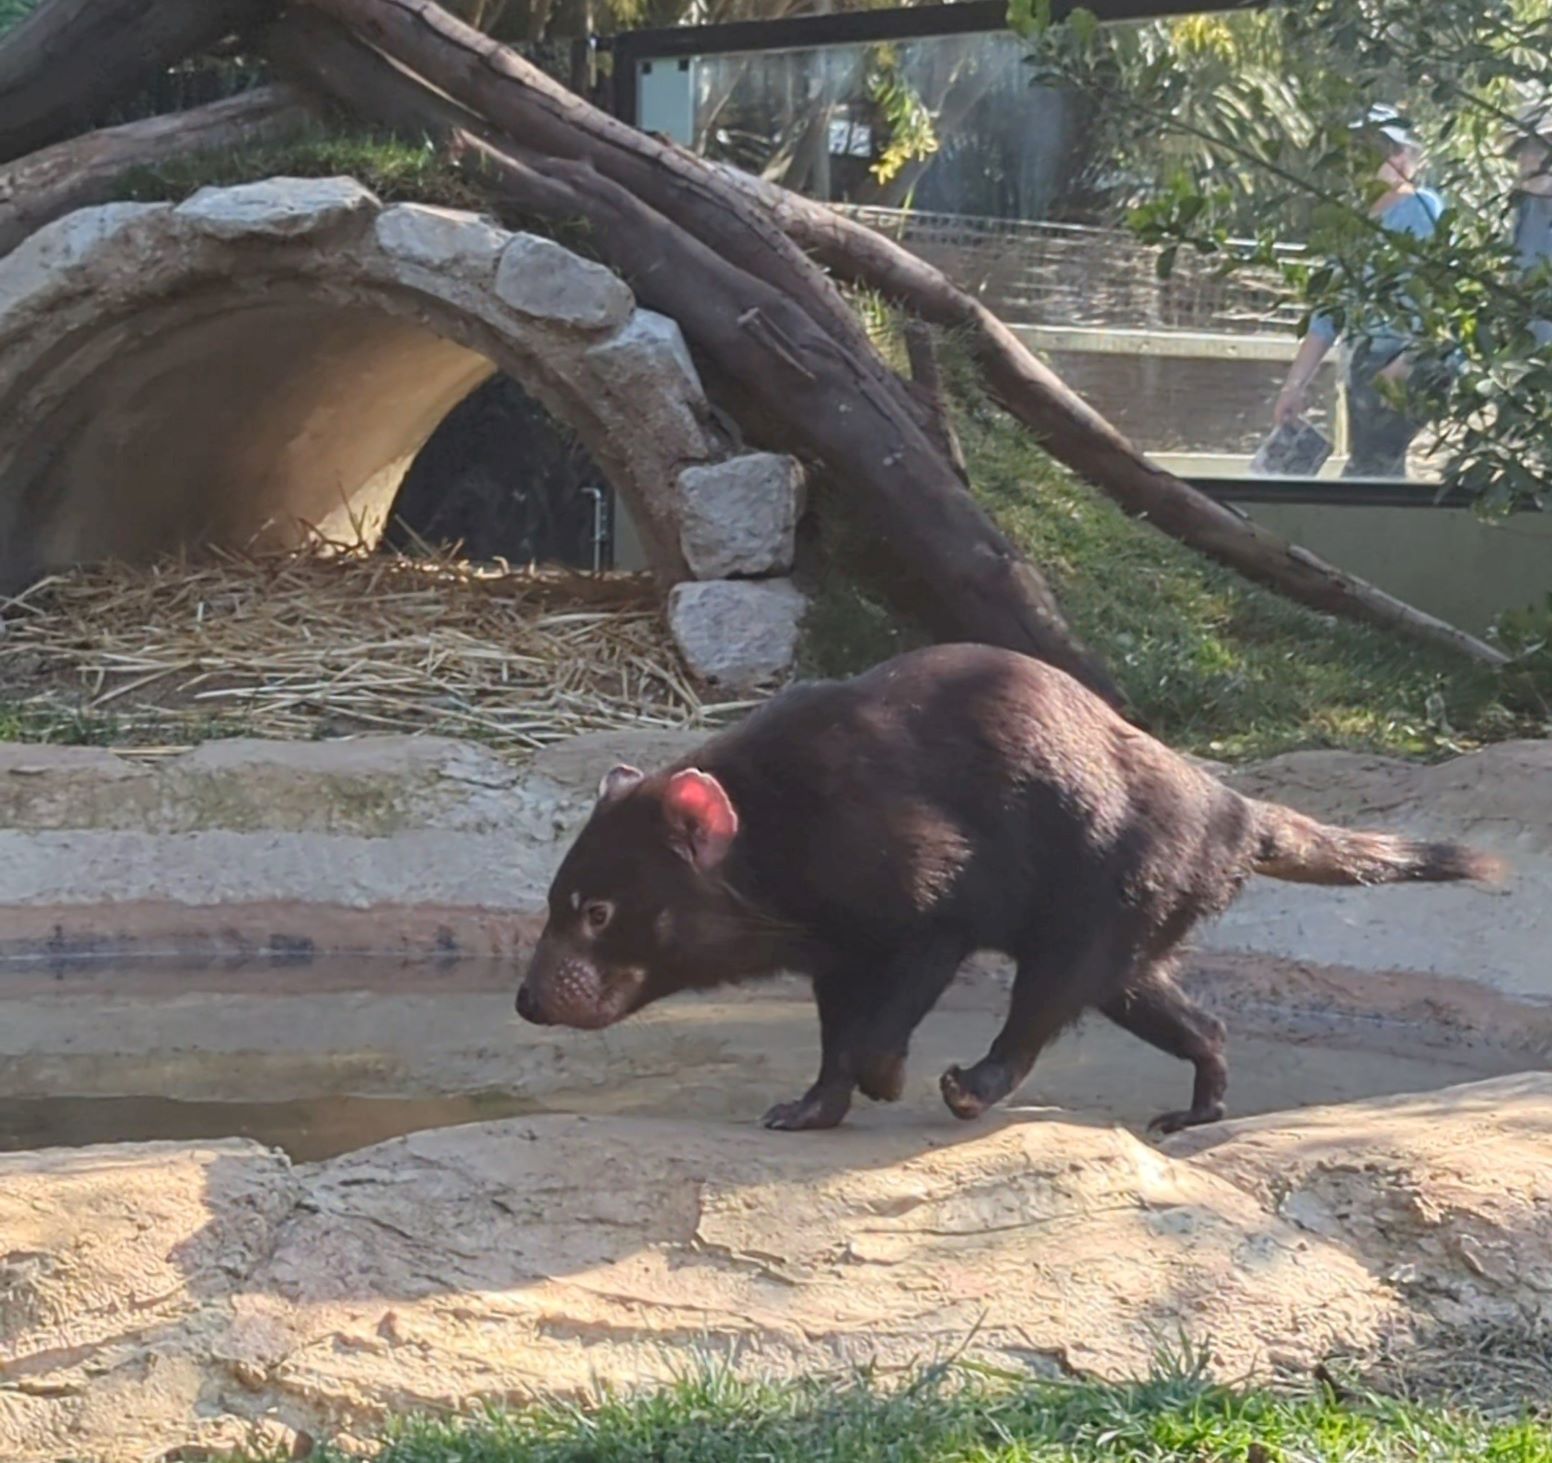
(550, 121)
(69, 61)
(977, 586)
(72, 58)
(530, 108)
(46, 185)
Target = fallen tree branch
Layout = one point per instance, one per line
(46, 185)
(550, 121)
(1074, 433)
(791, 319)
(70, 60)
(754, 335)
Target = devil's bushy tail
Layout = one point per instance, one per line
(1303, 851)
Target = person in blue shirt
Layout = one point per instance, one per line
(1529, 143)
(1379, 434)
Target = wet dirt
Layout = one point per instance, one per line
(318, 1074)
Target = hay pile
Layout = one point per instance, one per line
(298, 645)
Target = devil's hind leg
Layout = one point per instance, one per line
(1154, 1008)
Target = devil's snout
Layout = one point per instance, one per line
(528, 1007)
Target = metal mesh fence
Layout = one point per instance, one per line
(1078, 276)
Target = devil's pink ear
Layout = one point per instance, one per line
(618, 781)
(701, 820)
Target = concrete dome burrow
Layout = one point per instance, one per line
(264, 359)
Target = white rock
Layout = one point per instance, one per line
(740, 516)
(448, 240)
(278, 208)
(41, 265)
(652, 342)
(737, 633)
(645, 370)
(540, 279)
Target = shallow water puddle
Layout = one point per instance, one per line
(305, 1129)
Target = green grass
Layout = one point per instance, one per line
(397, 171)
(82, 728)
(715, 1419)
(22, 724)
(1215, 665)
(13, 12)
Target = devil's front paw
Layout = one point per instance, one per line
(815, 1109)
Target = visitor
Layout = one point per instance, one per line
(1379, 435)
(1529, 143)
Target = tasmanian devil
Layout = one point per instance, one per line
(872, 833)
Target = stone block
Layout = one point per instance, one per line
(41, 268)
(278, 208)
(447, 240)
(650, 348)
(740, 517)
(737, 633)
(544, 281)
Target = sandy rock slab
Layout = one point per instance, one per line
(159, 1297)
(118, 1269)
(1447, 1194)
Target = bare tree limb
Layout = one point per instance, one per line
(822, 394)
(70, 60)
(46, 185)
(524, 103)
(774, 323)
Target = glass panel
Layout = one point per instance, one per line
(1028, 184)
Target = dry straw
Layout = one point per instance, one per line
(297, 645)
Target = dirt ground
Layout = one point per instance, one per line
(319, 1073)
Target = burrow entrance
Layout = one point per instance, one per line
(261, 364)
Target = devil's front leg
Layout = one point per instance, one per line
(842, 1010)
(869, 1004)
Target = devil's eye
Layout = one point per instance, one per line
(598, 913)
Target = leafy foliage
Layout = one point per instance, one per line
(909, 131)
(12, 12)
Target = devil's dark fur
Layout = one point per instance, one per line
(873, 833)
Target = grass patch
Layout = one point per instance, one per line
(715, 1419)
(1217, 666)
(395, 170)
(83, 728)
(13, 12)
